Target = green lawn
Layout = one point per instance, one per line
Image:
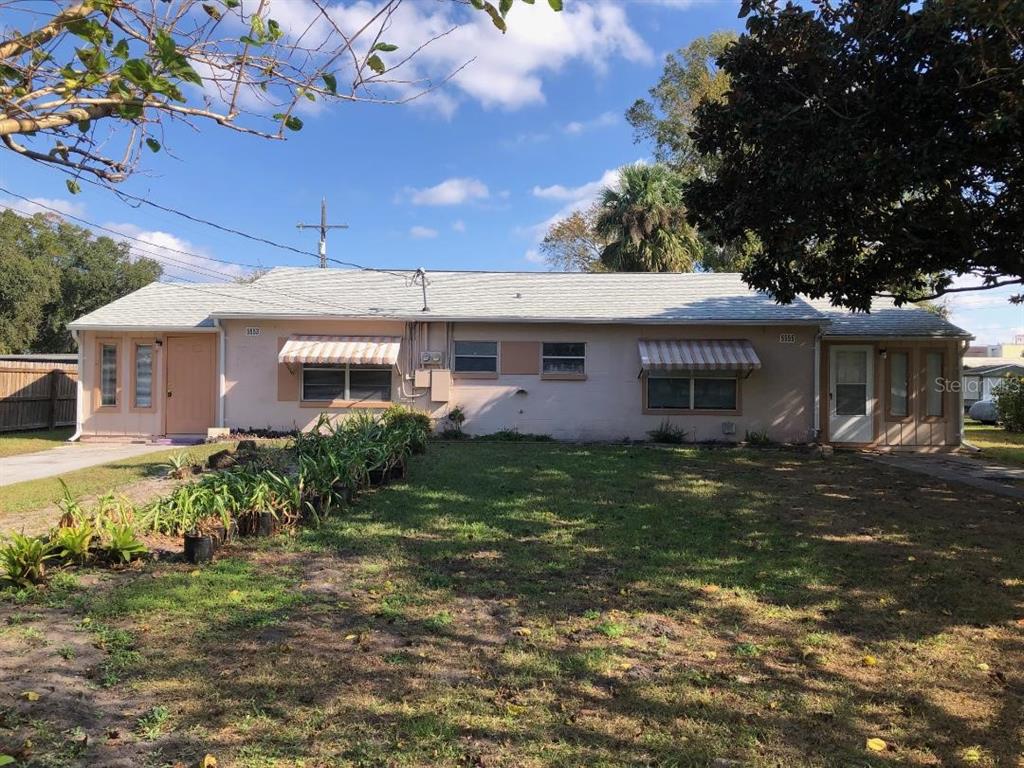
(556, 605)
(35, 494)
(16, 443)
(996, 443)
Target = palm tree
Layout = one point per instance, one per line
(644, 221)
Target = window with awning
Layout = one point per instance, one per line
(722, 355)
(337, 350)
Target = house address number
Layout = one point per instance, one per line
(252, 331)
(787, 338)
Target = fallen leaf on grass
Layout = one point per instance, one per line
(522, 631)
(6, 760)
(235, 594)
(983, 667)
(971, 755)
(208, 762)
(869, 661)
(30, 696)
(876, 745)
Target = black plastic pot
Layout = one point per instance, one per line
(266, 524)
(198, 548)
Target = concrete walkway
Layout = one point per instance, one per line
(986, 475)
(68, 458)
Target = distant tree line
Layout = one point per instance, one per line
(52, 272)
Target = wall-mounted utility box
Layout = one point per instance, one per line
(440, 385)
(421, 378)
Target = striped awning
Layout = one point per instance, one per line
(698, 355)
(357, 350)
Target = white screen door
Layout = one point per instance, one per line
(851, 395)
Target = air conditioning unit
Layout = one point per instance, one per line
(427, 357)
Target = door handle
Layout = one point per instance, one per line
(169, 393)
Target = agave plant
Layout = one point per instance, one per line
(122, 545)
(23, 559)
(71, 509)
(72, 542)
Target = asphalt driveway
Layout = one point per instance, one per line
(68, 458)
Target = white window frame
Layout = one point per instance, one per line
(347, 368)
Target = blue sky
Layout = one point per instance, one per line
(465, 178)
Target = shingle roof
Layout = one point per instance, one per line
(168, 305)
(886, 319)
(643, 298)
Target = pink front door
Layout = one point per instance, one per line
(191, 400)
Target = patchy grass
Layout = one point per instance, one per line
(553, 605)
(996, 443)
(17, 443)
(37, 494)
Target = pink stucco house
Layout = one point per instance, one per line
(576, 356)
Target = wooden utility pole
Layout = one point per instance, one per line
(323, 226)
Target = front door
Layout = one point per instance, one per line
(851, 395)
(191, 383)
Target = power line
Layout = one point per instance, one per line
(93, 225)
(230, 230)
(197, 269)
(194, 268)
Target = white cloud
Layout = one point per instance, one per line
(449, 192)
(576, 127)
(43, 204)
(988, 314)
(584, 193)
(505, 71)
(179, 258)
(534, 256)
(422, 233)
(459, 225)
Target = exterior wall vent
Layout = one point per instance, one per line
(728, 427)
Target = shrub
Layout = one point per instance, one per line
(122, 545)
(1009, 399)
(179, 465)
(23, 559)
(72, 542)
(513, 435)
(758, 437)
(667, 432)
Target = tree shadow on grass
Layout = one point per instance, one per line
(564, 605)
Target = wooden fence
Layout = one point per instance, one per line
(37, 395)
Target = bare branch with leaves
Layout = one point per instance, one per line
(90, 86)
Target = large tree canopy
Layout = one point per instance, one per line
(78, 79)
(871, 148)
(54, 272)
